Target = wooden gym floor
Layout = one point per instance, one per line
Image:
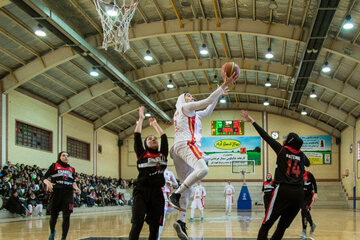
(332, 224)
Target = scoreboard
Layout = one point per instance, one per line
(219, 128)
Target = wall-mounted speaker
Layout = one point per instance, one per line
(120, 142)
(338, 141)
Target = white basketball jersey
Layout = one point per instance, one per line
(229, 190)
(169, 177)
(199, 192)
(187, 128)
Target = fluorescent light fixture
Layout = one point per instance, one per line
(39, 32)
(204, 50)
(303, 112)
(266, 103)
(268, 83)
(326, 67)
(272, 5)
(222, 100)
(348, 24)
(94, 73)
(148, 56)
(313, 94)
(269, 54)
(170, 84)
(147, 114)
(111, 11)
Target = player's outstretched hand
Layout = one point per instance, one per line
(141, 112)
(246, 116)
(152, 121)
(231, 79)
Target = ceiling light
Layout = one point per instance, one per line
(111, 11)
(326, 67)
(204, 50)
(303, 112)
(94, 73)
(147, 114)
(269, 54)
(39, 31)
(272, 5)
(266, 103)
(348, 24)
(148, 56)
(170, 84)
(268, 84)
(222, 100)
(313, 94)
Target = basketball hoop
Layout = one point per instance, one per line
(243, 172)
(115, 16)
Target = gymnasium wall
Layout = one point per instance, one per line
(356, 150)
(275, 123)
(28, 109)
(347, 160)
(83, 131)
(108, 160)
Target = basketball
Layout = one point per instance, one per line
(229, 68)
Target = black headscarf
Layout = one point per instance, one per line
(61, 162)
(150, 149)
(294, 141)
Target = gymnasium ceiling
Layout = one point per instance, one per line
(56, 67)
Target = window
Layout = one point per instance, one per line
(78, 149)
(34, 137)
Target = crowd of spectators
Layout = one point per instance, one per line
(23, 192)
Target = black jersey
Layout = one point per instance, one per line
(290, 159)
(309, 183)
(151, 163)
(268, 187)
(61, 174)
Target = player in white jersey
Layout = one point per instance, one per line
(198, 202)
(188, 158)
(170, 181)
(229, 197)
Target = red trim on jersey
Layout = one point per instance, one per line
(202, 202)
(306, 176)
(57, 166)
(292, 150)
(191, 122)
(195, 150)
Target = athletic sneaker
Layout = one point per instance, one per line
(174, 200)
(180, 229)
(201, 219)
(191, 219)
(303, 234)
(52, 235)
(312, 228)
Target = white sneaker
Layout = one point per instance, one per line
(303, 234)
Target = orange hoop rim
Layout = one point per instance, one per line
(110, 5)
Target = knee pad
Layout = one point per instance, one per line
(202, 172)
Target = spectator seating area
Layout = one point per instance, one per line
(23, 192)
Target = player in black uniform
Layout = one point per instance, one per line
(310, 190)
(61, 187)
(288, 196)
(267, 189)
(149, 200)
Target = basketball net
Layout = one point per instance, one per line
(243, 173)
(115, 18)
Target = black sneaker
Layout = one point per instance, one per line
(174, 200)
(180, 229)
